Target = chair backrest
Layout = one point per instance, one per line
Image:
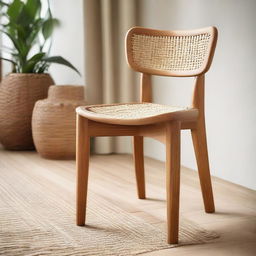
(170, 53)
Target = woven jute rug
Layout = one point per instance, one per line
(35, 220)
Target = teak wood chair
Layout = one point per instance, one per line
(165, 53)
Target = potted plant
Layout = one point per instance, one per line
(30, 35)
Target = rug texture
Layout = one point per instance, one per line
(35, 220)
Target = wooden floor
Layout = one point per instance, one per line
(113, 177)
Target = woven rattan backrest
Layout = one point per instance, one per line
(171, 53)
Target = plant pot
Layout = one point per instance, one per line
(54, 122)
(18, 94)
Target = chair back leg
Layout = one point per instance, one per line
(173, 180)
(138, 156)
(201, 152)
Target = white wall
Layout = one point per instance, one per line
(68, 41)
(230, 84)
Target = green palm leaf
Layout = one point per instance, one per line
(29, 31)
(29, 67)
(60, 60)
(13, 62)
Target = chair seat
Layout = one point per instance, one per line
(136, 113)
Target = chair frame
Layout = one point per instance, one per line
(165, 132)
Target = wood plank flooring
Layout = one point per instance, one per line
(113, 177)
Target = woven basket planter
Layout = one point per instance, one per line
(54, 122)
(18, 94)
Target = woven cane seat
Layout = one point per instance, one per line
(136, 113)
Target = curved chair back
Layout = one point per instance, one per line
(170, 53)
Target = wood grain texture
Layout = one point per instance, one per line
(82, 166)
(200, 147)
(173, 180)
(138, 152)
(165, 126)
(138, 155)
(145, 88)
(234, 219)
(112, 179)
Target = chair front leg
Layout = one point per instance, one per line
(138, 156)
(173, 180)
(82, 165)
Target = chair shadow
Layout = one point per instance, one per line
(102, 229)
(232, 214)
(154, 199)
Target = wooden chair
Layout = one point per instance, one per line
(155, 52)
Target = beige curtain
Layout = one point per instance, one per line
(108, 78)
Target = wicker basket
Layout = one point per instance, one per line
(18, 94)
(53, 122)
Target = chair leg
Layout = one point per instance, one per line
(139, 165)
(173, 180)
(82, 165)
(201, 152)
